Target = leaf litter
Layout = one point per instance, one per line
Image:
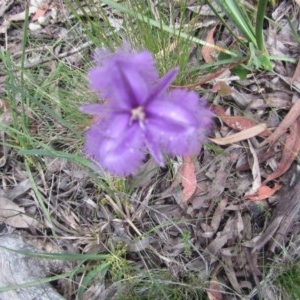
(189, 180)
(253, 147)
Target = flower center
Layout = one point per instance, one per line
(137, 114)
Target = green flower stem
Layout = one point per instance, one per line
(261, 9)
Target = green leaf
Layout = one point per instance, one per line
(238, 15)
(100, 270)
(265, 62)
(258, 61)
(240, 71)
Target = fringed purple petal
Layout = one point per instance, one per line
(162, 85)
(117, 146)
(124, 78)
(154, 147)
(142, 62)
(124, 154)
(135, 87)
(120, 155)
(177, 123)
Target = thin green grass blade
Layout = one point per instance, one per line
(100, 270)
(162, 26)
(294, 31)
(39, 198)
(239, 17)
(61, 256)
(223, 21)
(61, 154)
(47, 151)
(36, 282)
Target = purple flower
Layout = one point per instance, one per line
(139, 112)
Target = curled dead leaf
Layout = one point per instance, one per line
(237, 123)
(215, 291)
(211, 77)
(264, 192)
(223, 88)
(286, 123)
(256, 183)
(208, 52)
(14, 215)
(290, 151)
(297, 71)
(188, 177)
(219, 214)
(240, 136)
(262, 156)
(40, 11)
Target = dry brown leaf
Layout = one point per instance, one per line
(19, 189)
(229, 270)
(277, 99)
(215, 290)
(217, 186)
(218, 110)
(40, 12)
(240, 136)
(288, 120)
(264, 192)
(14, 215)
(210, 77)
(256, 183)
(219, 214)
(236, 122)
(223, 88)
(188, 177)
(21, 16)
(217, 244)
(6, 118)
(240, 225)
(289, 153)
(261, 156)
(4, 105)
(208, 52)
(296, 73)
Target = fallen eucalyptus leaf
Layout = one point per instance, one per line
(240, 136)
(14, 215)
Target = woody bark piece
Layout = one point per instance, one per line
(16, 269)
(285, 213)
(289, 153)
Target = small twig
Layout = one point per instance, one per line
(60, 56)
(19, 53)
(117, 208)
(252, 263)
